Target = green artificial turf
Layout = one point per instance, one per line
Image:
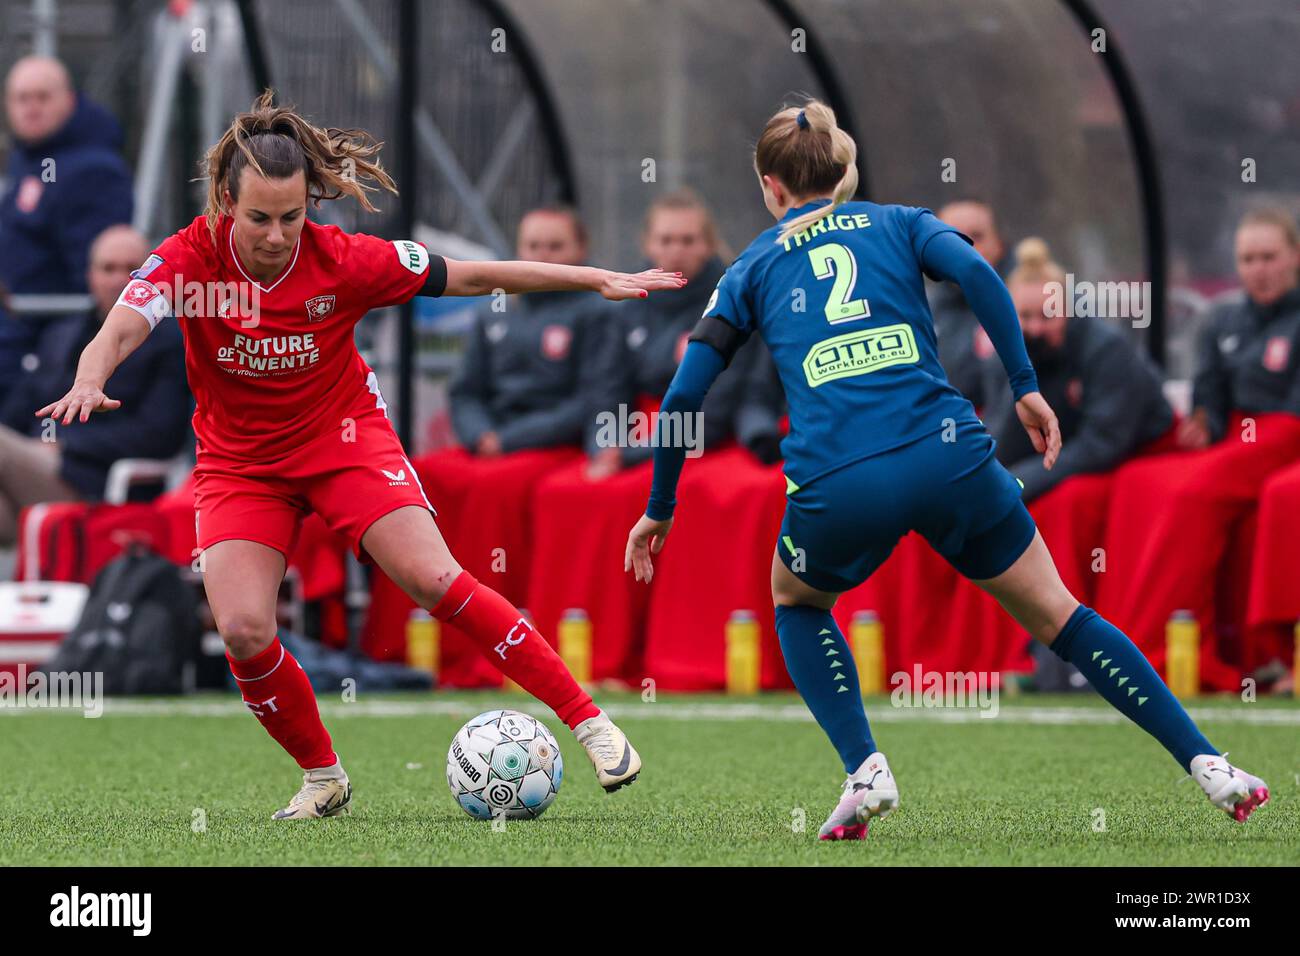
(194, 782)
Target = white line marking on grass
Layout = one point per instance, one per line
(664, 710)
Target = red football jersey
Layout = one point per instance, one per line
(274, 366)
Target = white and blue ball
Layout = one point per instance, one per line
(504, 764)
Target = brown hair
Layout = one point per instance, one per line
(1273, 216)
(562, 209)
(686, 198)
(1034, 264)
(805, 149)
(277, 142)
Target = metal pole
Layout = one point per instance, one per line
(170, 34)
(45, 34)
(407, 89)
(1148, 169)
(823, 67)
(257, 61)
(429, 138)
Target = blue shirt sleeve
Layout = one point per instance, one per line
(947, 254)
(731, 300)
(699, 367)
(924, 226)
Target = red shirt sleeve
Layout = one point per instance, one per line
(157, 288)
(387, 272)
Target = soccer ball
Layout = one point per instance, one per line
(504, 764)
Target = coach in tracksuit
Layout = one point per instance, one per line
(67, 184)
(1172, 517)
(964, 348)
(1106, 394)
(528, 377)
(746, 401)
(41, 460)
(533, 374)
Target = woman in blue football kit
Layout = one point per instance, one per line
(880, 444)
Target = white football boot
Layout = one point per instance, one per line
(616, 763)
(325, 792)
(870, 791)
(1231, 789)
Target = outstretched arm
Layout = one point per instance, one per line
(948, 256)
(119, 336)
(951, 257)
(482, 278)
(701, 364)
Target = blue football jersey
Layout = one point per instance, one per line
(842, 307)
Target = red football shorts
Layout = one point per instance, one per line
(351, 477)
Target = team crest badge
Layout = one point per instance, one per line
(319, 307)
(29, 194)
(1276, 353)
(139, 293)
(555, 341)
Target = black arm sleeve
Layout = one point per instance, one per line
(435, 283)
(725, 338)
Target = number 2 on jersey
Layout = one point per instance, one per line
(837, 260)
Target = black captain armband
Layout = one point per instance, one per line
(435, 282)
(721, 334)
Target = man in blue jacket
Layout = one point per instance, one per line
(67, 182)
(41, 460)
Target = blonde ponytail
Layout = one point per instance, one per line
(805, 148)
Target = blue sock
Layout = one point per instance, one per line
(821, 665)
(1120, 673)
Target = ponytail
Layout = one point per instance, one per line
(805, 148)
(277, 143)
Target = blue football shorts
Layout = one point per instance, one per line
(841, 526)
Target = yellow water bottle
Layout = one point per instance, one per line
(869, 651)
(1182, 654)
(742, 653)
(575, 643)
(422, 641)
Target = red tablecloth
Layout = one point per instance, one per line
(717, 560)
(485, 514)
(1170, 528)
(1274, 603)
(729, 515)
(579, 533)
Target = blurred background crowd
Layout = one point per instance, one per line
(1158, 158)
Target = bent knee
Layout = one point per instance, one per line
(789, 591)
(246, 635)
(1045, 622)
(427, 583)
(786, 594)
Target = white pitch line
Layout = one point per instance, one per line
(780, 713)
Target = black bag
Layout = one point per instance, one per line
(140, 628)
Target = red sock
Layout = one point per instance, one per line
(514, 647)
(277, 691)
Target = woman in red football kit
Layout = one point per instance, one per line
(290, 419)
